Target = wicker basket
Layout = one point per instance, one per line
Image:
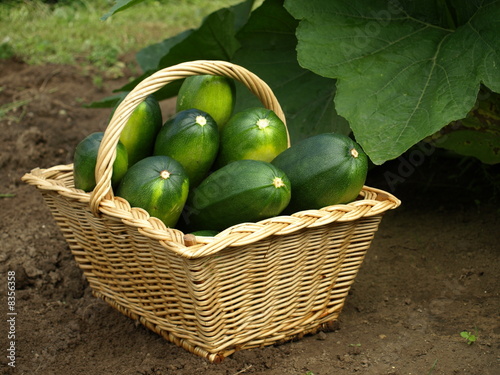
(252, 285)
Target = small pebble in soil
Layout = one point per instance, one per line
(321, 335)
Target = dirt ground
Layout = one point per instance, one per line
(431, 273)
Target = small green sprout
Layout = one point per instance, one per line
(469, 336)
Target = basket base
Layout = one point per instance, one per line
(328, 326)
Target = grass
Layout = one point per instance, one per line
(433, 367)
(7, 195)
(71, 32)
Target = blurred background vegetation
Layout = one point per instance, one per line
(71, 31)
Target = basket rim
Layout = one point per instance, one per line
(371, 202)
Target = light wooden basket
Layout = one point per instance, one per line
(252, 285)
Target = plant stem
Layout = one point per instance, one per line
(445, 8)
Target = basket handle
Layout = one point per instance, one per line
(107, 150)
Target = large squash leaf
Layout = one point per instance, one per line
(403, 72)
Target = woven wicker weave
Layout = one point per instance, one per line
(252, 285)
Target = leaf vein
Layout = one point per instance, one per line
(424, 89)
(374, 52)
(406, 17)
(481, 37)
(448, 83)
(398, 74)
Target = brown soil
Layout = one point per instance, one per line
(431, 272)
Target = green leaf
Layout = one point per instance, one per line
(463, 10)
(241, 13)
(119, 6)
(478, 134)
(149, 57)
(107, 102)
(214, 40)
(468, 336)
(401, 75)
(268, 44)
(473, 143)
